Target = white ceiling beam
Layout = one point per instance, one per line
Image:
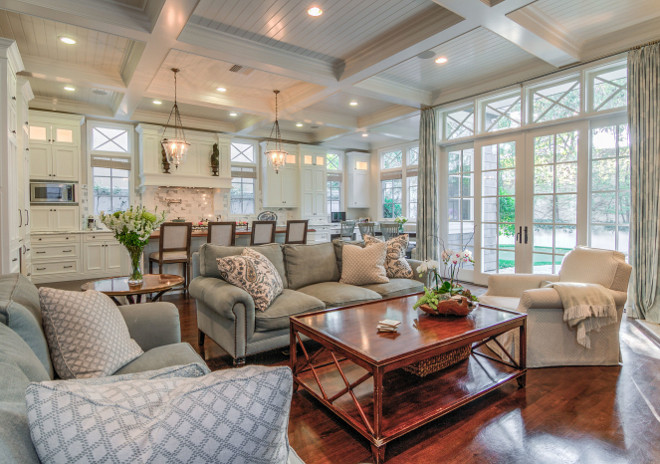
(70, 106)
(380, 88)
(80, 75)
(324, 118)
(156, 117)
(495, 19)
(386, 116)
(170, 22)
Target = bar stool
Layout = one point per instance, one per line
(366, 228)
(347, 230)
(389, 230)
(262, 232)
(174, 248)
(296, 231)
(222, 233)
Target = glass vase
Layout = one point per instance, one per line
(136, 273)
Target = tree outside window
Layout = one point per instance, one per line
(111, 192)
(391, 192)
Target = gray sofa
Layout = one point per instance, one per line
(310, 274)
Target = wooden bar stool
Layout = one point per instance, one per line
(263, 232)
(366, 228)
(222, 233)
(347, 230)
(389, 230)
(174, 248)
(296, 231)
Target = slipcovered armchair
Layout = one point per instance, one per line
(550, 340)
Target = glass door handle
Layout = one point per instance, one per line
(519, 235)
(526, 236)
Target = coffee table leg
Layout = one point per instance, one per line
(130, 299)
(293, 355)
(522, 380)
(378, 452)
(115, 300)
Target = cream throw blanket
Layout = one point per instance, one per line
(587, 307)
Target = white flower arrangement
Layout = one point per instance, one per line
(401, 220)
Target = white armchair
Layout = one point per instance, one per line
(550, 341)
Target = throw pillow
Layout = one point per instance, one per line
(86, 333)
(255, 274)
(395, 261)
(237, 415)
(363, 266)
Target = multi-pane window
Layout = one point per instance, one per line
(333, 162)
(243, 178)
(502, 113)
(391, 159)
(609, 89)
(392, 197)
(242, 152)
(459, 123)
(556, 101)
(399, 182)
(110, 183)
(610, 188)
(110, 139)
(461, 200)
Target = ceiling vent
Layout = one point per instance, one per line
(99, 92)
(237, 68)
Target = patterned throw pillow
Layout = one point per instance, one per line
(363, 266)
(236, 415)
(395, 262)
(87, 335)
(255, 274)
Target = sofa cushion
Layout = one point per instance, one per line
(363, 266)
(504, 302)
(209, 254)
(339, 249)
(396, 287)
(162, 357)
(20, 309)
(14, 351)
(289, 303)
(86, 333)
(396, 264)
(338, 294)
(238, 415)
(255, 274)
(15, 441)
(310, 264)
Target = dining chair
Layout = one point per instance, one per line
(366, 228)
(174, 248)
(389, 230)
(347, 230)
(263, 232)
(222, 233)
(296, 231)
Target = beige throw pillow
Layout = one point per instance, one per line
(363, 266)
(255, 274)
(86, 333)
(395, 261)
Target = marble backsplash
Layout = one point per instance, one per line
(191, 204)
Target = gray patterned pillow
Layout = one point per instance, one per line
(237, 415)
(395, 261)
(255, 274)
(364, 266)
(87, 335)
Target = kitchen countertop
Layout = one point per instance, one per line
(204, 233)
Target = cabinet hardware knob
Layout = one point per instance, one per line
(13, 260)
(40, 239)
(40, 252)
(27, 149)
(13, 132)
(28, 249)
(67, 251)
(66, 267)
(13, 98)
(41, 269)
(27, 123)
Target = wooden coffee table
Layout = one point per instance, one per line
(397, 402)
(118, 286)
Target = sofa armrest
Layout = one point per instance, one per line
(514, 285)
(222, 297)
(152, 324)
(195, 265)
(540, 298)
(424, 278)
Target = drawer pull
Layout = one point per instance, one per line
(67, 267)
(14, 260)
(40, 252)
(67, 251)
(41, 269)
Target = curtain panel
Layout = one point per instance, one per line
(428, 215)
(644, 127)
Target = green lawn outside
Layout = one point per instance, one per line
(538, 259)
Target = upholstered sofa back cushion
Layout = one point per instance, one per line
(209, 254)
(592, 265)
(310, 264)
(20, 311)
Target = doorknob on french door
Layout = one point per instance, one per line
(526, 237)
(519, 235)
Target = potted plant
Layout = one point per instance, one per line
(132, 229)
(215, 159)
(447, 296)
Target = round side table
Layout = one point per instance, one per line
(118, 286)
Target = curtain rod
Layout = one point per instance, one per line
(582, 63)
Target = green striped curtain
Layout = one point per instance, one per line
(427, 188)
(644, 126)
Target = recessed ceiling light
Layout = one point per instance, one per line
(441, 60)
(364, 134)
(315, 11)
(353, 103)
(69, 88)
(157, 102)
(299, 124)
(221, 89)
(65, 39)
(233, 114)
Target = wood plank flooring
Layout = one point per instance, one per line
(564, 415)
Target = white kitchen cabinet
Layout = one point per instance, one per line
(358, 180)
(313, 184)
(102, 253)
(53, 218)
(281, 190)
(54, 146)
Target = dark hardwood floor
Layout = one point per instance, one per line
(564, 415)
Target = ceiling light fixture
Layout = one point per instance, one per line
(315, 11)
(441, 60)
(221, 89)
(233, 114)
(65, 39)
(177, 146)
(157, 102)
(299, 124)
(353, 103)
(364, 134)
(275, 154)
(69, 88)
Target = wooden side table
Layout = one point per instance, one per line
(118, 286)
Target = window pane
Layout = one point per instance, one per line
(502, 114)
(610, 89)
(242, 152)
(333, 162)
(556, 102)
(413, 156)
(110, 139)
(391, 160)
(459, 123)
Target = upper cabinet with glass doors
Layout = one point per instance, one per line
(55, 146)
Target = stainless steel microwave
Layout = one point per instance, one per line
(49, 192)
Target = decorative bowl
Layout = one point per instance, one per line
(457, 305)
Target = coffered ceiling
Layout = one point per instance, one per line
(353, 77)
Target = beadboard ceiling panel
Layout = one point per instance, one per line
(38, 38)
(589, 19)
(344, 26)
(51, 89)
(135, 4)
(474, 57)
(216, 114)
(340, 103)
